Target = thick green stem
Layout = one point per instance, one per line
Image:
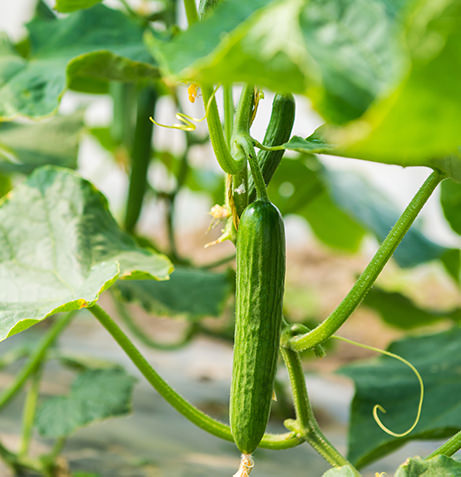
(239, 152)
(199, 418)
(140, 156)
(147, 340)
(260, 184)
(36, 358)
(30, 408)
(448, 448)
(191, 11)
(228, 113)
(371, 272)
(244, 109)
(226, 161)
(305, 423)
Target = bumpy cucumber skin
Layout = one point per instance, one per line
(278, 132)
(259, 297)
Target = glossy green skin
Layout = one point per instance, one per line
(278, 132)
(259, 299)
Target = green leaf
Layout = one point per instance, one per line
(298, 188)
(440, 466)
(25, 146)
(399, 311)
(344, 471)
(60, 248)
(450, 199)
(417, 123)
(388, 382)
(191, 292)
(350, 204)
(89, 46)
(341, 53)
(451, 260)
(66, 6)
(374, 210)
(95, 395)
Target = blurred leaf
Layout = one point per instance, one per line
(81, 362)
(399, 311)
(451, 204)
(95, 395)
(388, 382)
(417, 123)
(25, 146)
(341, 53)
(66, 6)
(5, 184)
(341, 206)
(440, 466)
(376, 211)
(98, 44)
(60, 248)
(344, 471)
(298, 188)
(451, 260)
(191, 292)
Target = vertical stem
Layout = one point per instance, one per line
(306, 423)
(240, 131)
(448, 448)
(191, 11)
(36, 358)
(124, 100)
(371, 272)
(228, 113)
(140, 156)
(223, 156)
(30, 408)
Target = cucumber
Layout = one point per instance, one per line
(259, 297)
(278, 131)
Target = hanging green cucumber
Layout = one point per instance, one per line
(278, 132)
(259, 295)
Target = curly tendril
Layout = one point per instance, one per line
(188, 123)
(378, 407)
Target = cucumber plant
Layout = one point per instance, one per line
(387, 91)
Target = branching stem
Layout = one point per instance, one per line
(199, 418)
(371, 272)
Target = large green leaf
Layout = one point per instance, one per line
(66, 6)
(25, 146)
(388, 382)
(440, 466)
(451, 204)
(417, 123)
(95, 395)
(399, 311)
(341, 52)
(94, 45)
(191, 292)
(60, 248)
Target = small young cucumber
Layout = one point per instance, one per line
(259, 297)
(278, 131)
